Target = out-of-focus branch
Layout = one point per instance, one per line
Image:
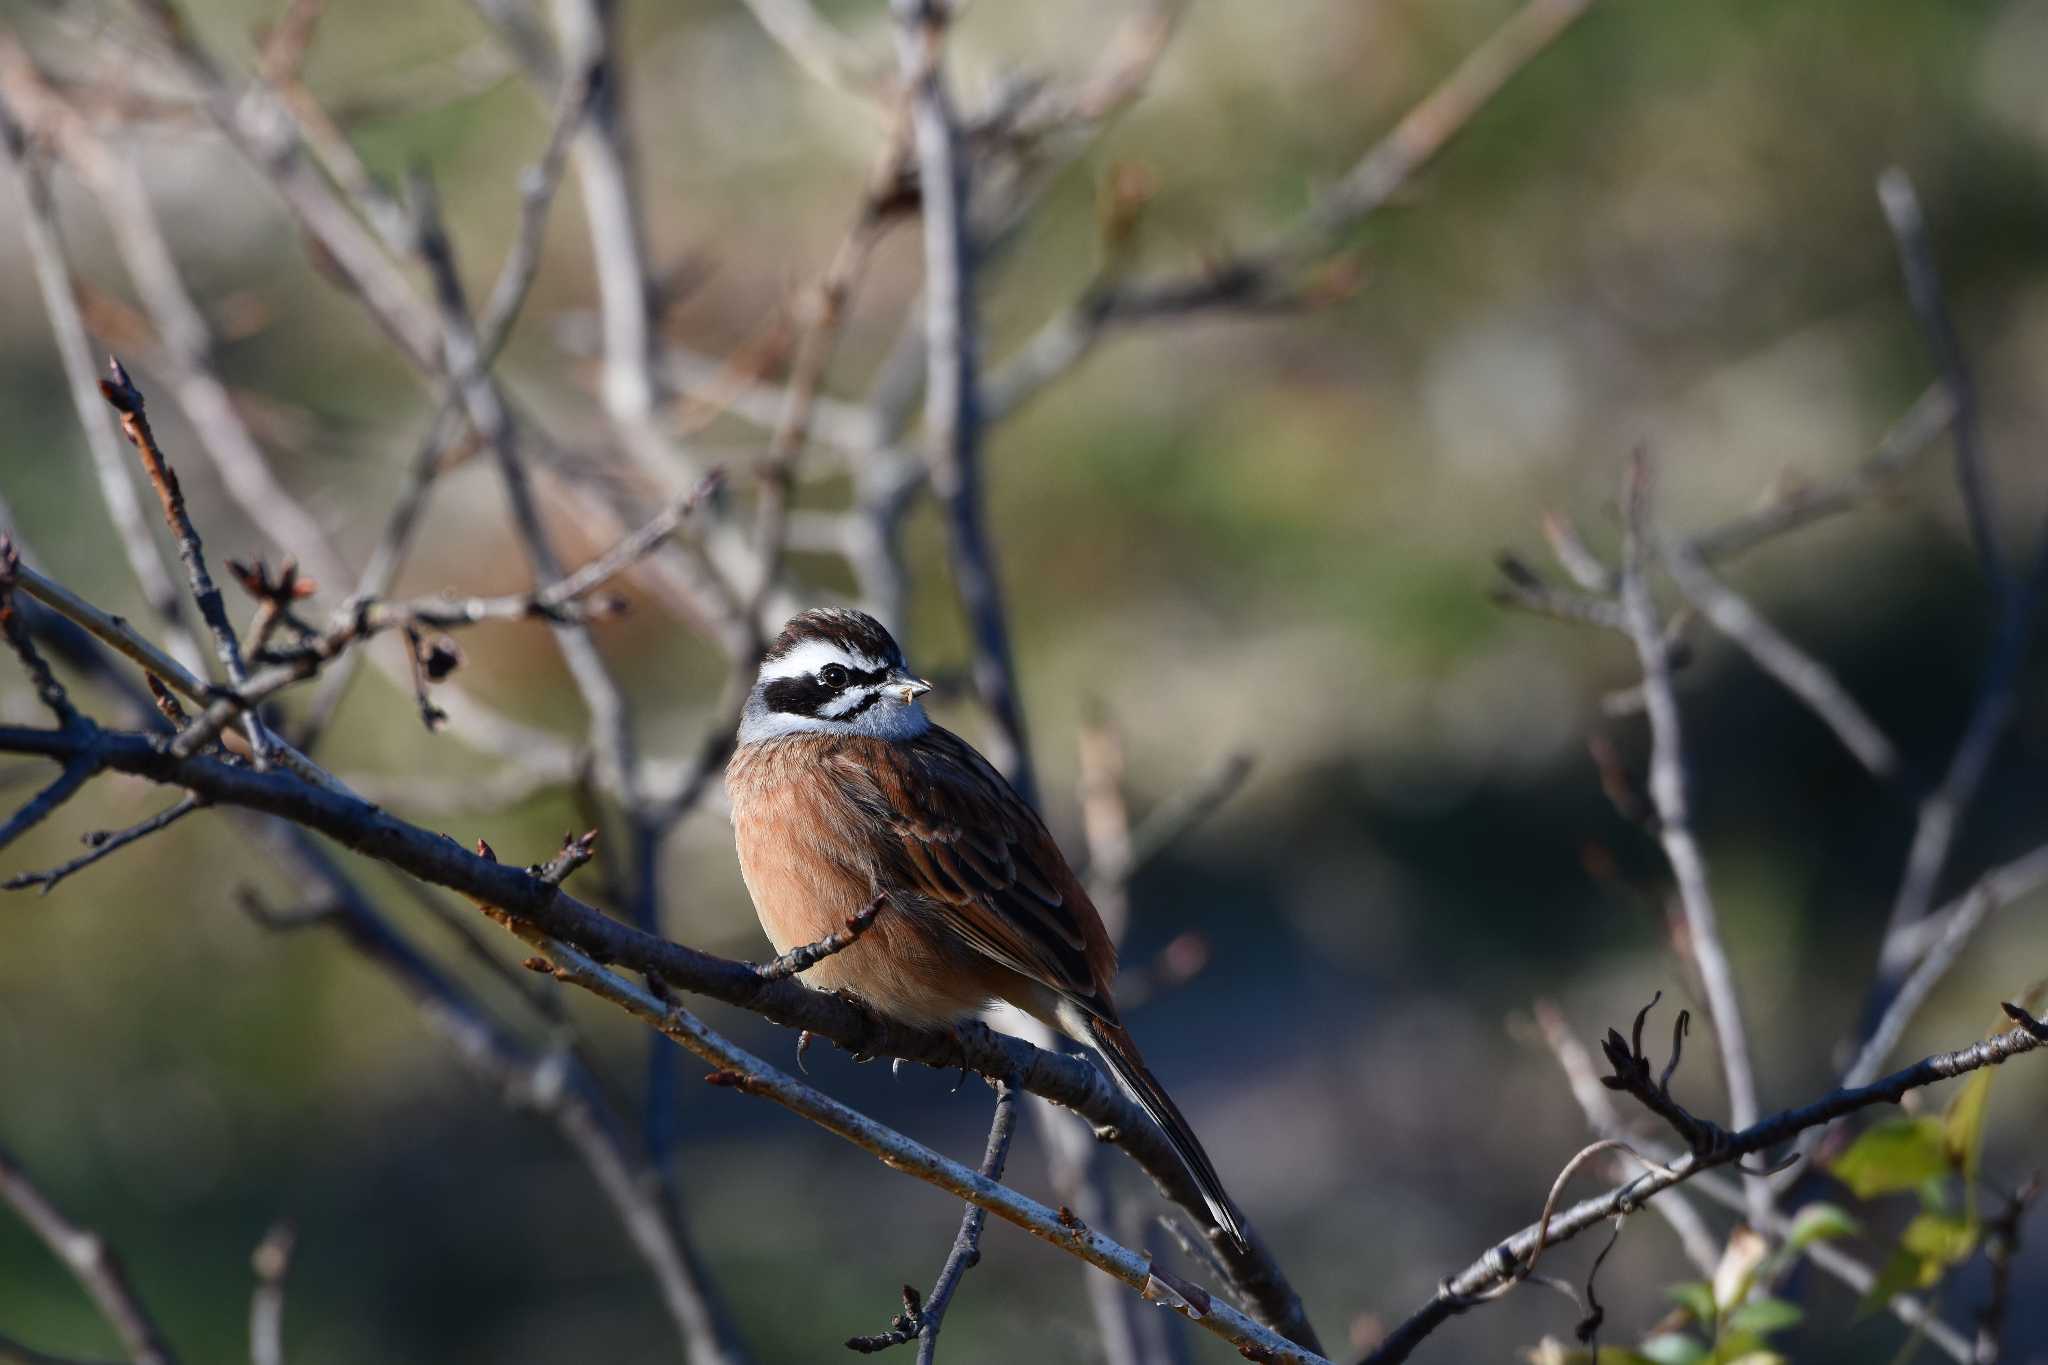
(1263, 275)
(1459, 1292)
(91, 1261)
(272, 1262)
(824, 53)
(952, 413)
(1930, 303)
(1806, 677)
(1674, 812)
(53, 277)
(553, 1083)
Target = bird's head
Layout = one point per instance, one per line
(835, 671)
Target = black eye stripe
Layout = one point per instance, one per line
(797, 696)
(859, 676)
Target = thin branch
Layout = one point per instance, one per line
(1674, 814)
(1256, 277)
(739, 1069)
(806, 956)
(91, 1261)
(1594, 1099)
(952, 414)
(2001, 1249)
(1804, 676)
(53, 276)
(272, 1262)
(103, 844)
(127, 400)
(552, 1083)
(1930, 304)
(922, 1318)
(1459, 1292)
(1912, 435)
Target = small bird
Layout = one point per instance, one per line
(844, 791)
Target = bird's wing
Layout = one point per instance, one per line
(955, 833)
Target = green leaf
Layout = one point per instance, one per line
(1940, 1240)
(1819, 1223)
(1963, 1125)
(1765, 1316)
(1674, 1348)
(1931, 1244)
(1902, 1272)
(1696, 1297)
(1898, 1154)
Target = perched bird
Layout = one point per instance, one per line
(843, 790)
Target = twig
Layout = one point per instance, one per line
(1907, 438)
(1674, 814)
(922, 1317)
(822, 51)
(552, 1083)
(272, 1261)
(952, 414)
(1804, 676)
(562, 602)
(1252, 278)
(48, 690)
(2001, 1249)
(805, 956)
(1930, 304)
(127, 400)
(103, 844)
(91, 1261)
(966, 1252)
(1701, 1248)
(1459, 1292)
(53, 277)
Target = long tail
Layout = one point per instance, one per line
(1128, 1066)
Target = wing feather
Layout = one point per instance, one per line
(954, 834)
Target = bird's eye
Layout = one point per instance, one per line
(832, 675)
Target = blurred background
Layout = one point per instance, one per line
(1270, 535)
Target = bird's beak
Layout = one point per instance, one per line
(905, 689)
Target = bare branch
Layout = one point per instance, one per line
(272, 1262)
(805, 956)
(1674, 812)
(922, 1319)
(741, 1070)
(1923, 287)
(103, 844)
(1460, 1291)
(39, 226)
(127, 400)
(1702, 1249)
(1912, 435)
(1804, 676)
(91, 1261)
